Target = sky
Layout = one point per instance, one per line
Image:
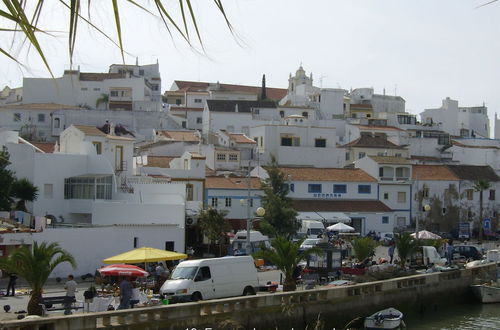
(422, 50)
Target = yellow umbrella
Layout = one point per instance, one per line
(144, 254)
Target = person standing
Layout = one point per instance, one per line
(392, 247)
(125, 293)
(159, 271)
(70, 287)
(12, 284)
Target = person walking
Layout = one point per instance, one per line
(392, 247)
(12, 284)
(159, 271)
(70, 287)
(125, 293)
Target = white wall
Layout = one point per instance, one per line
(301, 190)
(237, 210)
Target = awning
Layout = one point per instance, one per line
(329, 217)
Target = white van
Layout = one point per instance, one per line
(257, 240)
(312, 228)
(194, 280)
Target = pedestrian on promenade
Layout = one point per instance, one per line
(70, 287)
(12, 284)
(449, 251)
(159, 271)
(125, 293)
(392, 247)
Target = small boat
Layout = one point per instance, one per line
(389, 318)
(487, 293)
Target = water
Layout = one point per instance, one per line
(457, 317)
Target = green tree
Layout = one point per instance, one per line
(6, 180)
(286, 255)
(213, 225)
(24, 18)
(363, 247)
(35, 265)
(24, 190)
(104, 98)
(263, 92)
(280, 217)
(406, 246)
(480, 186)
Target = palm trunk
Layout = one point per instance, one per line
(34, 307)
(289, 284)
(481, 215)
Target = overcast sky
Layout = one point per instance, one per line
(423, 50)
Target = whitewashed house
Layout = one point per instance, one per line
(369, 145)
(476, 151)
(379, 102)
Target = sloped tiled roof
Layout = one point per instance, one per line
(90, 130)
(40, 106)
(474, 173)
(433, 173)
(459, 144)
(243, 106)
(390, 160)
(361, 106)
(220, 182)
(378, 128)
(241, 138)
(188, 109)
(89, 76)
(47, 147)
(314, 205)
(181, 136)
(197, 86)
(366, 141)
(327, 174)
(159, 161)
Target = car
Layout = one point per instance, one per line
(309, 243)
(446, 235)
(385, 238)
(467, 252)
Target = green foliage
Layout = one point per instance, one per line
(480, 186)
(6, 180)
(104, 98)
(406, 246)
(437, 243)
(285, 255)
(363, 247)
(24, 190)
(213, 224)
(35, 265)
(280, 217)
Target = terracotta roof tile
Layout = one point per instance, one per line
(361, 106)
(90, 130)
(159, 161)
(327, 174)
(220, 182)
(366, 141)
(47, 147)
(474, 173)
(181, 136)
(40, 106)
(459, 144)
(433, 173)
(185, 109)
(272, 93)
(378, 128)
(242, 106)
(89, 76)
(241, 138)
(390, 160)
(314, 205)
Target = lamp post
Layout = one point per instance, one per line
(260, 213)
(426, 208)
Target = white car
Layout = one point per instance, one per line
(309, 243)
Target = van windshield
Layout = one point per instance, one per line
(315, 231)
(181, 273)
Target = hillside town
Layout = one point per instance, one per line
(121, 161)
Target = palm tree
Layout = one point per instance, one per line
(25, 191)
(286, 255)
(104, 98)
(35, 265)
(213, 225)
(364, 247)
(480, 186)
(406, 246)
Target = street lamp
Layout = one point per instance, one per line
(260, 213)
(426, 208)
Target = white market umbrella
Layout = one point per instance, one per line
(340, 227)
(424, 234)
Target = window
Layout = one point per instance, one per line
(339, 188)
(361, 155)
(314, 188)
(199, 120)
(492, 195)
(261, 141)
(141, 72)
(17, 117)
(215, 202)
(84, 89)
(282, 113)
(97, 89)
(401, 197)
(444, 210)
(425, 192)
(57, 123)
(189, 192)
(290, 141)
(320, 143)
(256, 111)
(221, 156)
(98, 147)
(470, 194)
(228, 202)
(178, 101)
(385, 220)
(119, 158)
(197, 100)
(114, 93)
(203, 274)
(381, 172)
(48, 191)
(251, 202)
(347, 156)
(305, 114)
(364, 189)
(233, 157)
(88, 187)
(292, 187)
(398, 154)
(386, 195)
(136, 242)
(154, 87)
(183, 124)
(41, 118)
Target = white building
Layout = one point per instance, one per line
(470, 151)
(11, 95)
(126, 87)
(379, 102)
(369, 145)
(459, 121)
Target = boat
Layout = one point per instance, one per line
(487, 293)
(389, 318)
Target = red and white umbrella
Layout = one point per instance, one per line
(123, 270)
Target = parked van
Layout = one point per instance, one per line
(239, 242)
(312, 228)
(194, 280)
